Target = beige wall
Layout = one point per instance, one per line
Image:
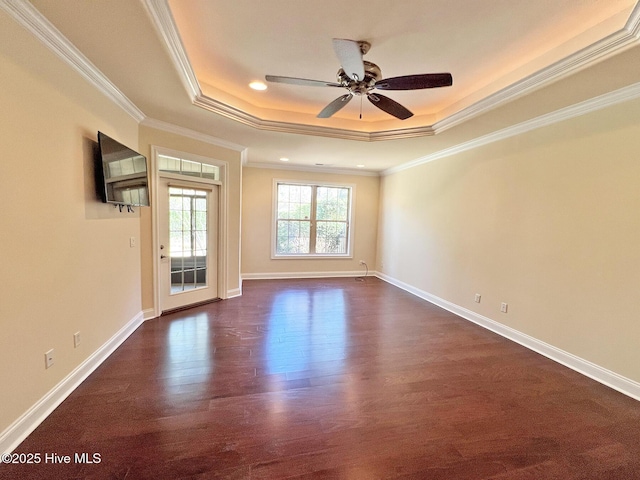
(153, 137)
(257, 203)
(65, 258)
(546, 221)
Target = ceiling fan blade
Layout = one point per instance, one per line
(334, 106)
(300, 81)
(350, 56)
(415, 82)
(390, 106)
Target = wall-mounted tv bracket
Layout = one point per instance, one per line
(120, 205)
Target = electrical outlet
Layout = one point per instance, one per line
(132, 242)
(478, 297)
(503, 307)
(362, 262)
(76, 339)
(48, 359)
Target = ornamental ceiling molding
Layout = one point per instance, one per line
(30, 18)
(192, 134)
(37, 24)
(625, 94)
(163, 21)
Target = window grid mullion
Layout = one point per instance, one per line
(192, 221)
(312, 229)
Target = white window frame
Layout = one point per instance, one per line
(274, 218)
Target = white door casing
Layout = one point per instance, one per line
(220, 220)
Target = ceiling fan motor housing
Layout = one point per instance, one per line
(372, 74)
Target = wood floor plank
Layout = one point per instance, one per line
(333, 378)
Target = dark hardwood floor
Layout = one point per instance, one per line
(333, 378)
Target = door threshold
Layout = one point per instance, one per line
(187, 307)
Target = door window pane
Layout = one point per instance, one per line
(188, 232)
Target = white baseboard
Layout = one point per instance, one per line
(27, 423)
(293, 275)
(606, 377)
(235, 292)
(149, 314)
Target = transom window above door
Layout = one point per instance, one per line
(312, 220)
(188, 168)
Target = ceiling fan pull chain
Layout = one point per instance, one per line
(360, 107)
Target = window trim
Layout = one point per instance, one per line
(274, 219)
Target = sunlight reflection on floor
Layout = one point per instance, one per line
(302, 336)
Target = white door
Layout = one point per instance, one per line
(188, 232)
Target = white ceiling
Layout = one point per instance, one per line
(189, 62)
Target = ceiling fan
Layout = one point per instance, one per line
(360, 77)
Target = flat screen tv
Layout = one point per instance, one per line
(124, 174)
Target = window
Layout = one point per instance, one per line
(190, 168)
(187, 222)
(188, 238)
(312, 220)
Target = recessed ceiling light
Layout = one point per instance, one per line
(258, 85)
(360, 166)
(284, 159)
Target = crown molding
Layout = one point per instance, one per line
(188, 133)
(610, 45)
(594, 53)
(238, 115)
(215, 106)
(625, 94)
(311, 168)
(162, 19)
(31, 19)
